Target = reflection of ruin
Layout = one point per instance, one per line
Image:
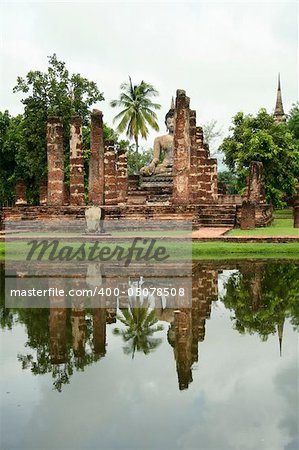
(259, 294)
(187, 326)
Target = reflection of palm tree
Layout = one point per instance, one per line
(139, 322)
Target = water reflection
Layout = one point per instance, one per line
(260, 296)
(141, 324)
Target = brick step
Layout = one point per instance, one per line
(207, 216)
(136, 192)
(158, 197)
(214, 225)
(216, 210)
(217, 219)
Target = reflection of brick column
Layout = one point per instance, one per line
(204, 291)
(110, 174)
(96, 162)
(181, 151)
(43, 192)
(99, 331)
(183, 347)
(78, 327)
(122, 176)
(57, 326)
(76, 163)
(21, 192)
(55, 161)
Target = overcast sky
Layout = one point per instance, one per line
(225, 55)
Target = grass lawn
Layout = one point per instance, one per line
(234, 250)
(282, 225)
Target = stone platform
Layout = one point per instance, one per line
(216, 215)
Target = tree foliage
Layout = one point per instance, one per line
(260, 138)
(10, 147)
(293, 120)
(229, 180)
(211, 133)
(55, 92)
(138, 110)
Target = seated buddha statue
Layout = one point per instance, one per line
(163, 150)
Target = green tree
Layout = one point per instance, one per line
(55, 92)
(11, 143)
(138, 110)
(138, 160)
(260, 138)
(230, 181)
(293, 120)
(211, 133)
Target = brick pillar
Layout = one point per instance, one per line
(111, 190)
(55, 161)
(43, 192)
(181, 152)
(296, 213)
(122, 176)
(20, 192)
(193, 174)
(96, 162)
(76, 163)
(256, 185)
(66, 195)
(247, 221)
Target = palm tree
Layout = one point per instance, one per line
(140, 325)
(138, 110)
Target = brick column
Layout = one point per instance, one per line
(296, 212)
(76, 163)
(111, 190)
(20, 192)
(256, 185)
(55, 161)
(122, 176)
(247, 221)
(96, 162)
(43, 192)
(181, 152)
(193, 173)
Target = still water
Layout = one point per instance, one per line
(222, 375)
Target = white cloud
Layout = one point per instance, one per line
(225, 55)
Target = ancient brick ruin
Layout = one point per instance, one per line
(254, 211)
(55, 162)
(76, 163)
(188, 191)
